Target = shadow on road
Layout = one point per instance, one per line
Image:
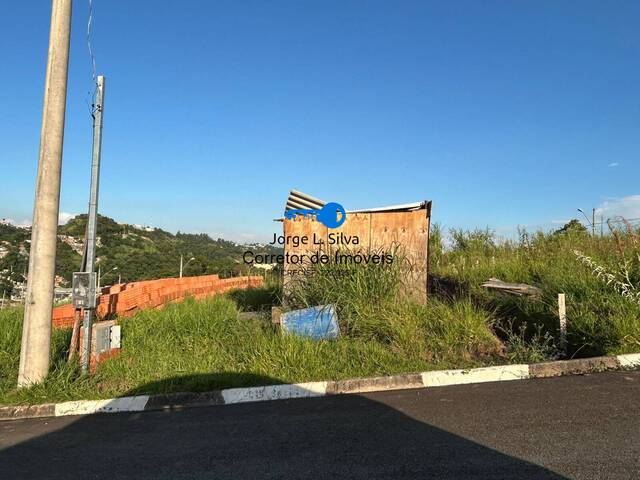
(348, 436)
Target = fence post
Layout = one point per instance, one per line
(562, 313)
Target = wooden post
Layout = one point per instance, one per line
(562, 313)
(75, 335)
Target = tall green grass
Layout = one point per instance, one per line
(204, 345)
(197, 346)
(259, 299)
(375, 303)
(63, 381)
(600, 320)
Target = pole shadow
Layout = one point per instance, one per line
(345, 436)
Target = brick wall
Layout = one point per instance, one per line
(128, 298)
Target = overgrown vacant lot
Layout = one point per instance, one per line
(600, 277)
(197, 346)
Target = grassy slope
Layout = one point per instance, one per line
(196, 346)
(600, 320)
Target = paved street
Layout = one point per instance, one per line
(572, 427)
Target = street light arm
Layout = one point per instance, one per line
(585, 217)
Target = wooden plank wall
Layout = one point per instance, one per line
(406, 232)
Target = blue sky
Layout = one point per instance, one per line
(503, 113)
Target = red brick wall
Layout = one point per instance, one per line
(128, 298)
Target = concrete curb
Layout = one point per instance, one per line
(439, 378)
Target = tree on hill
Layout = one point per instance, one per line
(573, 226)
(138, 253)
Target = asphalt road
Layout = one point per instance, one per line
(571, 427)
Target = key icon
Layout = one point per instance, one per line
(332, 215)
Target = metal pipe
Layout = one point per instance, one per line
(92, 221)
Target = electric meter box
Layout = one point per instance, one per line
(84, 290)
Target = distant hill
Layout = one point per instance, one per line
(139, 252)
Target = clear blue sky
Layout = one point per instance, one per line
(501, 112)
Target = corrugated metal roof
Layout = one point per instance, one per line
(405, 207)
(298, 200)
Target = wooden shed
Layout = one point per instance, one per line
(403, 229)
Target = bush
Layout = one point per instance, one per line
(601, 320)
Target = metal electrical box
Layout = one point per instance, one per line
(103, 338)
(84, 290)
(106, 336)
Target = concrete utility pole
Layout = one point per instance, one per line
(36, 328)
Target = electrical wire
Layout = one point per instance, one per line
(89, 46)
(91, 96)
(618, 220)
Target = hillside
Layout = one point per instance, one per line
(139, 252)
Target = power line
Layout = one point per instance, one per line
(618, 220)
(90, 99)
(92, 57)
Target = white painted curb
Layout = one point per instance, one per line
(314, 389)
(274, 392)
(631, 360)
(443, 378)
(112, 405)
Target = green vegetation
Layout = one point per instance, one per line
(599, 275)
(197, 346)
(139, 253)
(61, 377)
(372, 306)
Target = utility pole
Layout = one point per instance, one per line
(100, 276)
(92, 221)
(188, 262)
(36, 327)
(593, 222)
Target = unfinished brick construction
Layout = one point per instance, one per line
(128, 298)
